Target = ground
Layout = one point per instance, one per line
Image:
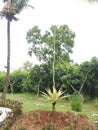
(39, 119)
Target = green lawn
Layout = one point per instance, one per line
(31, 102)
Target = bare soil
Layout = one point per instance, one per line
(37, 120)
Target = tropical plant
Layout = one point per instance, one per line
(54, 96)
(10, 9)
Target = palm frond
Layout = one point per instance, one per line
(18, 5)
(1, 14)
(46, 95)
(54, 95)
(54, 90)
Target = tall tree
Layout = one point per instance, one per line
(42, 44)
(10, 9)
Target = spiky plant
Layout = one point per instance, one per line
(54, 96)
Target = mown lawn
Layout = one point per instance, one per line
(31, 102)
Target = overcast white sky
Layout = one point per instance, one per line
(80, 16)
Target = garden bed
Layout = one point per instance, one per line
(40, 119)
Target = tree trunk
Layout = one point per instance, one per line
(81, 87)
(38, 87)
(53, 106)
(7, 81)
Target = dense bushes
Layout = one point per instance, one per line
(2, 80)
(82, 76)
(17, 80)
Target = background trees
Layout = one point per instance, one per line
(39, 78)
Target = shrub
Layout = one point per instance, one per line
(2, 80)
(16, 107)
(76, 103)
(17, 79)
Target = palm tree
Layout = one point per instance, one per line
(10, 9)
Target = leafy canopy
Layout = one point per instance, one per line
(42, 44)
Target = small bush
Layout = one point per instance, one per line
(16, 107)
(76, 103)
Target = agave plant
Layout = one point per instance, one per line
(54, 96)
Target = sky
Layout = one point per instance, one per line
(80, 16)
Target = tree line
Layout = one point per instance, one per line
(74, 78)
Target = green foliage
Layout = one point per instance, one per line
(96, 102)
(17, 79)
(5, 128)
(16, 107)
(2, 80)
(91, 84)
(53, 96)
(87, 99)
(40, 76)
(27, 66)
(42, 45)
(65, 74)
(76, 103)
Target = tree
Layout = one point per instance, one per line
(42, 44)
(39, 78)
(27, 66)
(91, 86)
(10, 9)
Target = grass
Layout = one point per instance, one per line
(31, 102)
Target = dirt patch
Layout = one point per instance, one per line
(36, 120)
